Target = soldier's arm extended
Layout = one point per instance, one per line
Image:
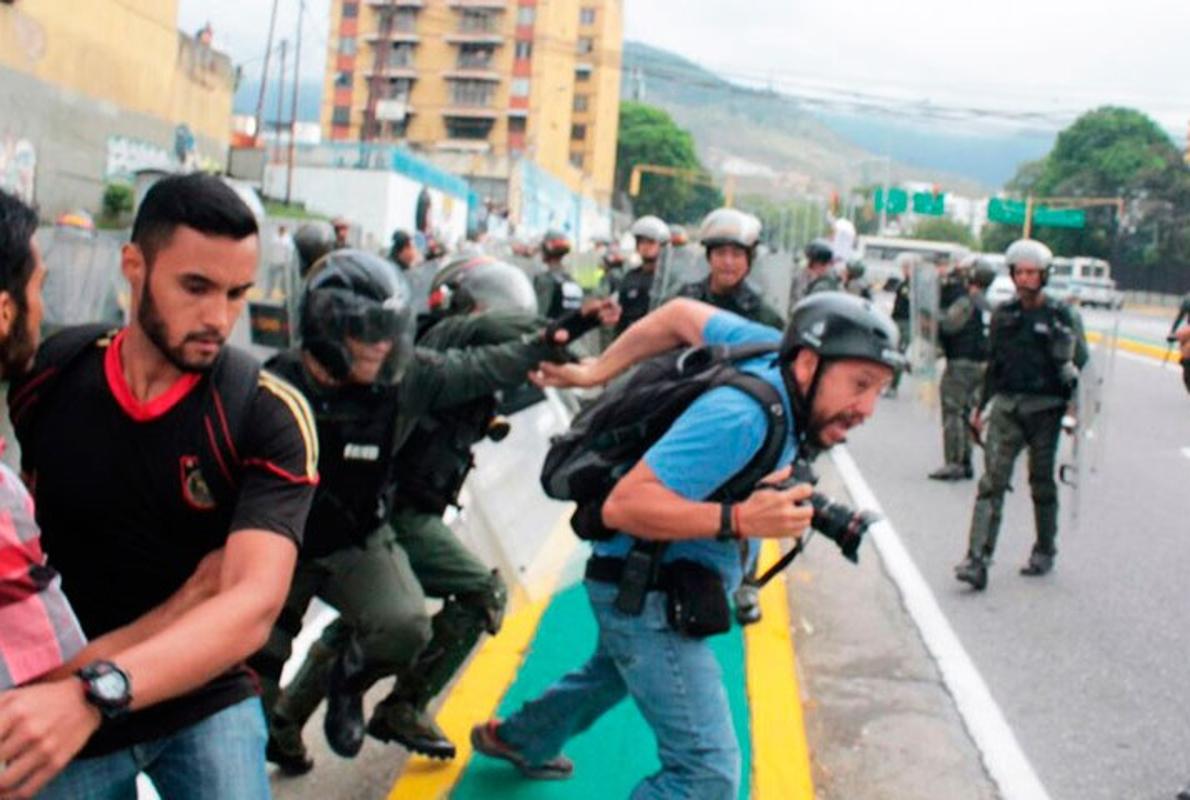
(956, 315)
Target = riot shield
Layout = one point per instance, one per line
(924, 300)
(420, 276)
(772, 275)
(1082, 455)
(677, 267)
(83, 282)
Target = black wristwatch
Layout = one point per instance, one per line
(107, 687)
(726, 532)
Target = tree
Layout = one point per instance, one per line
(648, 135)
(941, 229)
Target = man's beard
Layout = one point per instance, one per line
(851, 420)
(16, 354)
(154, 327)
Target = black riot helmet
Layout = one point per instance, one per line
(481, 283)
(836, 325)
(313, 240)
(982, 273)
(819, 251)
(354, 294)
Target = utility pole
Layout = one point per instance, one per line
(293, 106)
(280, 96)
(264, 72)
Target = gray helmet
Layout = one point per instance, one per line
(1029, 251)
(839, 325)
(982, 273)
(856, 268)
(481, 283)
(650, 227)
(312, 240)
(729, 226)
(819, 251)
(358, 295)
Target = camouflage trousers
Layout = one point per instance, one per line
(904, 331)
(962, 384)
(1008, 432)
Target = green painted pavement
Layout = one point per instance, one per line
(618, 750)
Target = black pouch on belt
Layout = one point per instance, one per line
(697, 602)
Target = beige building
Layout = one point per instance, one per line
(476, 85)
(91, 92)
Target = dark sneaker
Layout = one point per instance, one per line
(973, 571)
(950, 472)
(1039, 563)
(415, 730)
(485, 740)
(344, 721)
(285, 748)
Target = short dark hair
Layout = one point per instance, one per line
(18, 223)
(197, 200)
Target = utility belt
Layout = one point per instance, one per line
(696, 601)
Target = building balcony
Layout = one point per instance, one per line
(471, 74)
(491, 37)
(470, 112)
(392, 36)
(487, 5)
(381, 4)
(391, 71)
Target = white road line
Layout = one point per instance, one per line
(1002, 754)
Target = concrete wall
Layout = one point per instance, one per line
(95, 91)
(377, 201)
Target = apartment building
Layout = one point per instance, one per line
(479, 85)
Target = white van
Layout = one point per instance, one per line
(879, 254)
(1089, 281)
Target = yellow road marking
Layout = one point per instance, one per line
(780, 752)
(1140, 348)
(475, 696)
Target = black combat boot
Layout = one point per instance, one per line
(399, 720)
(344, 722)
(1040, 563)
(285, 747)
(974, 571)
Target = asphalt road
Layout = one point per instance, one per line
(1089, 663)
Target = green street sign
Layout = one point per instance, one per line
(1060, 217)
(898, 200)
(1008, 212)
(929, 204)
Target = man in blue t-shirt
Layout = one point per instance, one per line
(836, 357)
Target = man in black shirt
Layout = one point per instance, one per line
(149, 450)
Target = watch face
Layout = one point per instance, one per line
(110, 686)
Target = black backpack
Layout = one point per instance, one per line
(610, 436)
(229, 397)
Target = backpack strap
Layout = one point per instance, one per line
(56, 356)
(776, 430)
(232, 390)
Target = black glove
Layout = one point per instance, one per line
(575, 323)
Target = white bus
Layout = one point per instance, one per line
(879, 254)
(1086, 281)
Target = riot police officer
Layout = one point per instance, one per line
(651, 236)
(557, 290)
(902, 311)
(312, 240)
(729, 237)
(476, 300)
(403, 250)
(611, 263)
(963, 332)
(819, 273)
(855, 283)
(368, 387)
(1035, 348)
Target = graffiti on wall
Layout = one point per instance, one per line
(18, 167)
(126, 156)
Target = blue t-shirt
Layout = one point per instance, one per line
(712, 441)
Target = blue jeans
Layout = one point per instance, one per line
(674, 681)
(218, 758)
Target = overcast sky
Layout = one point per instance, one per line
(1017, 55)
